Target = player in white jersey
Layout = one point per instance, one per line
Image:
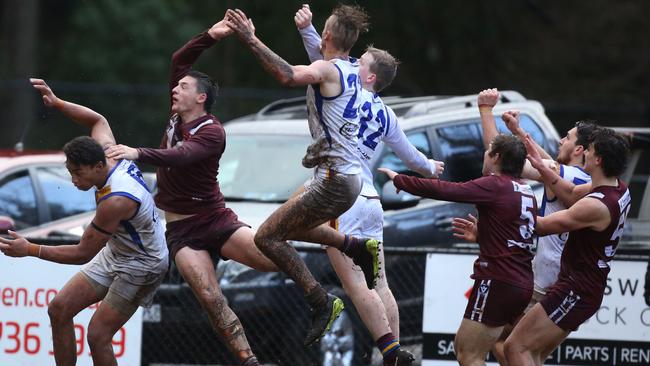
(124, 245)
(569, 165)
(377, 308)
(333, 103)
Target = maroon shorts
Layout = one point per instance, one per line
(566, 308)
(495, 303)
(205, 231)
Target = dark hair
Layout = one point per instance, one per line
(84, 150)
(384, 66)
(205, 84)
(613, 149)
(512, 153)
(347, 23)
(584, 129)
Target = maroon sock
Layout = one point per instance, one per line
(352, 246)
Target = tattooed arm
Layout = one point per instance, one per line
(318, 72)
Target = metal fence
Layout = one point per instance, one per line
(276, 317)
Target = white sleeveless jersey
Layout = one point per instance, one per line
(378, 125)
(334, 123)
(546, 264)
(139, 242)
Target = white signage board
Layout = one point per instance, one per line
(27, 285)
(618, 334)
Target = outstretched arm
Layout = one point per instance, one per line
(288, 75)
(511, 119)
(310, 37)
(567, 192)
(487, 99)
(100, 130)
(186, 56)
(586, 213)
(107, 218)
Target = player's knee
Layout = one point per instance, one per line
(261, 239)
(510, 348)
(57, 310)
(98, 338)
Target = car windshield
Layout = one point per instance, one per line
(264, 168)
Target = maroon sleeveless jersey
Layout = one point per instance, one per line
(507, 212)
(587, 253)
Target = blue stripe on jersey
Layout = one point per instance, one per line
(340, 80)
(387, 120)
(562, 170)
(135, 237)
(544, 200)
(319, 107)
(123, 194)
(112, 170)
(577, 181)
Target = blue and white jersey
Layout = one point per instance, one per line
(334, 122)
(378, 124)
(139, 242)
(546, 264)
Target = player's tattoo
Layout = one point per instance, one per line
(271, 62)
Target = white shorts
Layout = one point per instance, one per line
(365, 219)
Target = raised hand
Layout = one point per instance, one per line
(121, 152)
(511, 119)
(465, 229)
(488, 98)
(49, 99)
(237, 21)
(220, 29)
(16, 247)
(533, 155)
(303, 17)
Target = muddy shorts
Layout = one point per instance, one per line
(206, 231)
(331, 193)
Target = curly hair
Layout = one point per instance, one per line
(84, 150)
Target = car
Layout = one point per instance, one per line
(35, 188)
(261, 168)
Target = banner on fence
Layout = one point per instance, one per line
(618, 334)
(27, 285)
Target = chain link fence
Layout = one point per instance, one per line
(276, 317)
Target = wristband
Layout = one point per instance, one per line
(485, 108)
(34, 250)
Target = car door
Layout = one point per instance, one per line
(18, 198)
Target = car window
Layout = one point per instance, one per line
(17, 199)
(389, 160)
(262, 167)
(62, 197)
(462, 149)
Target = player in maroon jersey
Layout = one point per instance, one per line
(595, 223)
(503, 276)
(200, 227)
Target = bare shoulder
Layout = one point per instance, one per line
(116, 206)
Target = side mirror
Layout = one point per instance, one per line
(395, 201)
(6, 224)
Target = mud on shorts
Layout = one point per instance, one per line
(205, 231)
(365, 219)
(330, 194)
(566, 308)
(496, 303)
(124, 288)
